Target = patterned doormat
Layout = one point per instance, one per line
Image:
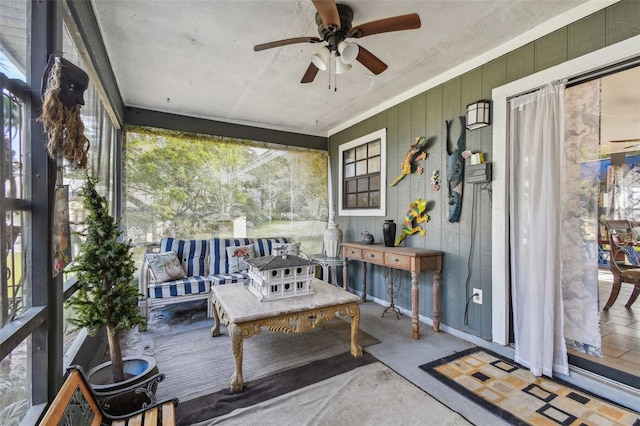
(519, 397)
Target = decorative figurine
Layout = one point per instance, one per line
(332, 238)
(435, 180)
(415, 153)
(367, 238)
(416, 213)
(63, 87)
(455, 171)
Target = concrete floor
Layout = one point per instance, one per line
(401, 352)
(397, 349)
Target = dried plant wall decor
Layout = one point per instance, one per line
(63, 88)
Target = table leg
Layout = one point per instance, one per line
(436, 301)
(334, 275)
(364, 282)
(235, 333)
(325, 272)
(415, 324)
(345, 275)
(215, 330)
(354, 312)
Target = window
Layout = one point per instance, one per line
(196, 186)
(362, 175)
(15, 284)
(102, 135)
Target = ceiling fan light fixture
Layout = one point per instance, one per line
(341, 66)
(321, 59)
(348, 51)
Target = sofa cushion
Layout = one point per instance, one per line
(192, 254)
(632, 255)
(190, 285)
(264, 246)
(219, 279)
(164, 266)
(237, 256)
(219, 264)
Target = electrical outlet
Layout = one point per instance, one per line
(477, 296)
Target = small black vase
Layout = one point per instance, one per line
(389, 232)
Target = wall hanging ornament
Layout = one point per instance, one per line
(389, 232)
(435, 180)
(63, 86)
(410, 162)
(416, 215)
(455, 171)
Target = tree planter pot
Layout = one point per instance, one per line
(134, 393)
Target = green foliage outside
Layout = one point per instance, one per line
(194, 186)
(14, 397)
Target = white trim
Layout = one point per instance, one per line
(378, 134)
(541, 30)
(604, 57)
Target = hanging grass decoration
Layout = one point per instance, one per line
(61, 100)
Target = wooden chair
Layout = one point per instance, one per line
(76, 404)
(622, 258)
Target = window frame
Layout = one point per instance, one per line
(363, 140)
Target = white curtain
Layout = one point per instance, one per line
(580, 191)
(536, 146)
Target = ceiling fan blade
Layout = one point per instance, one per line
(328, 12)
(310, 74)
(396, 23)
(625, 141)
(370, 61)
(264, 46)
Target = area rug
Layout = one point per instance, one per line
(256, 391)
(197, 364)
(368, 395)
(512, 392)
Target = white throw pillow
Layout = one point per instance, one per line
(291, 248)
(164, 266)
(237, 256)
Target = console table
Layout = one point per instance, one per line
(403, 258)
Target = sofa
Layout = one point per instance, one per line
(182, 270)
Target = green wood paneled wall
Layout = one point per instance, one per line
(425, 115)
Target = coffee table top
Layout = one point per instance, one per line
(242, 306)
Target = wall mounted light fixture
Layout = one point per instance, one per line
(478, 114)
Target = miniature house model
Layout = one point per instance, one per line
(277, 277)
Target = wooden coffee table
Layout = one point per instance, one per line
(244, 315)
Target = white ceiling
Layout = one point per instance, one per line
(196, 58)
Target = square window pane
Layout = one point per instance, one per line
(374, 165)
(361, 152)
(350, 170)
(374, 183)
(361, 168)
(363, 185)
(363, 200)
(374, 148)
(374, 198)
(352, 186)
(350, 156)
(352, 201)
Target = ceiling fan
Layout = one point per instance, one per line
(334, 27)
